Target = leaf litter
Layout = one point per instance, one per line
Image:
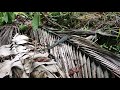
(26, 61)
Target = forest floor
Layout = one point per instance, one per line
(108, 22)
(24, 57)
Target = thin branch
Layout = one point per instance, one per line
(80, 32)
(54, 23)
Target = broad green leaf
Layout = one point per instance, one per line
(5, 18)
(10, 17)
(35, 21)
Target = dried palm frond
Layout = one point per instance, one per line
(6, 34)
(91, 55)
(106, 58)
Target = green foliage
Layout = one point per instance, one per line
(58, 14)
(63, 18)
(6, 17)
(36, 21)
(1, 15)
(112, 48)
(23, 27)
(21, 13)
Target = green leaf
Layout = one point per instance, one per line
(1, 15)
(36, 21)
(23, 27)
(8, 17)
(5, 17)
